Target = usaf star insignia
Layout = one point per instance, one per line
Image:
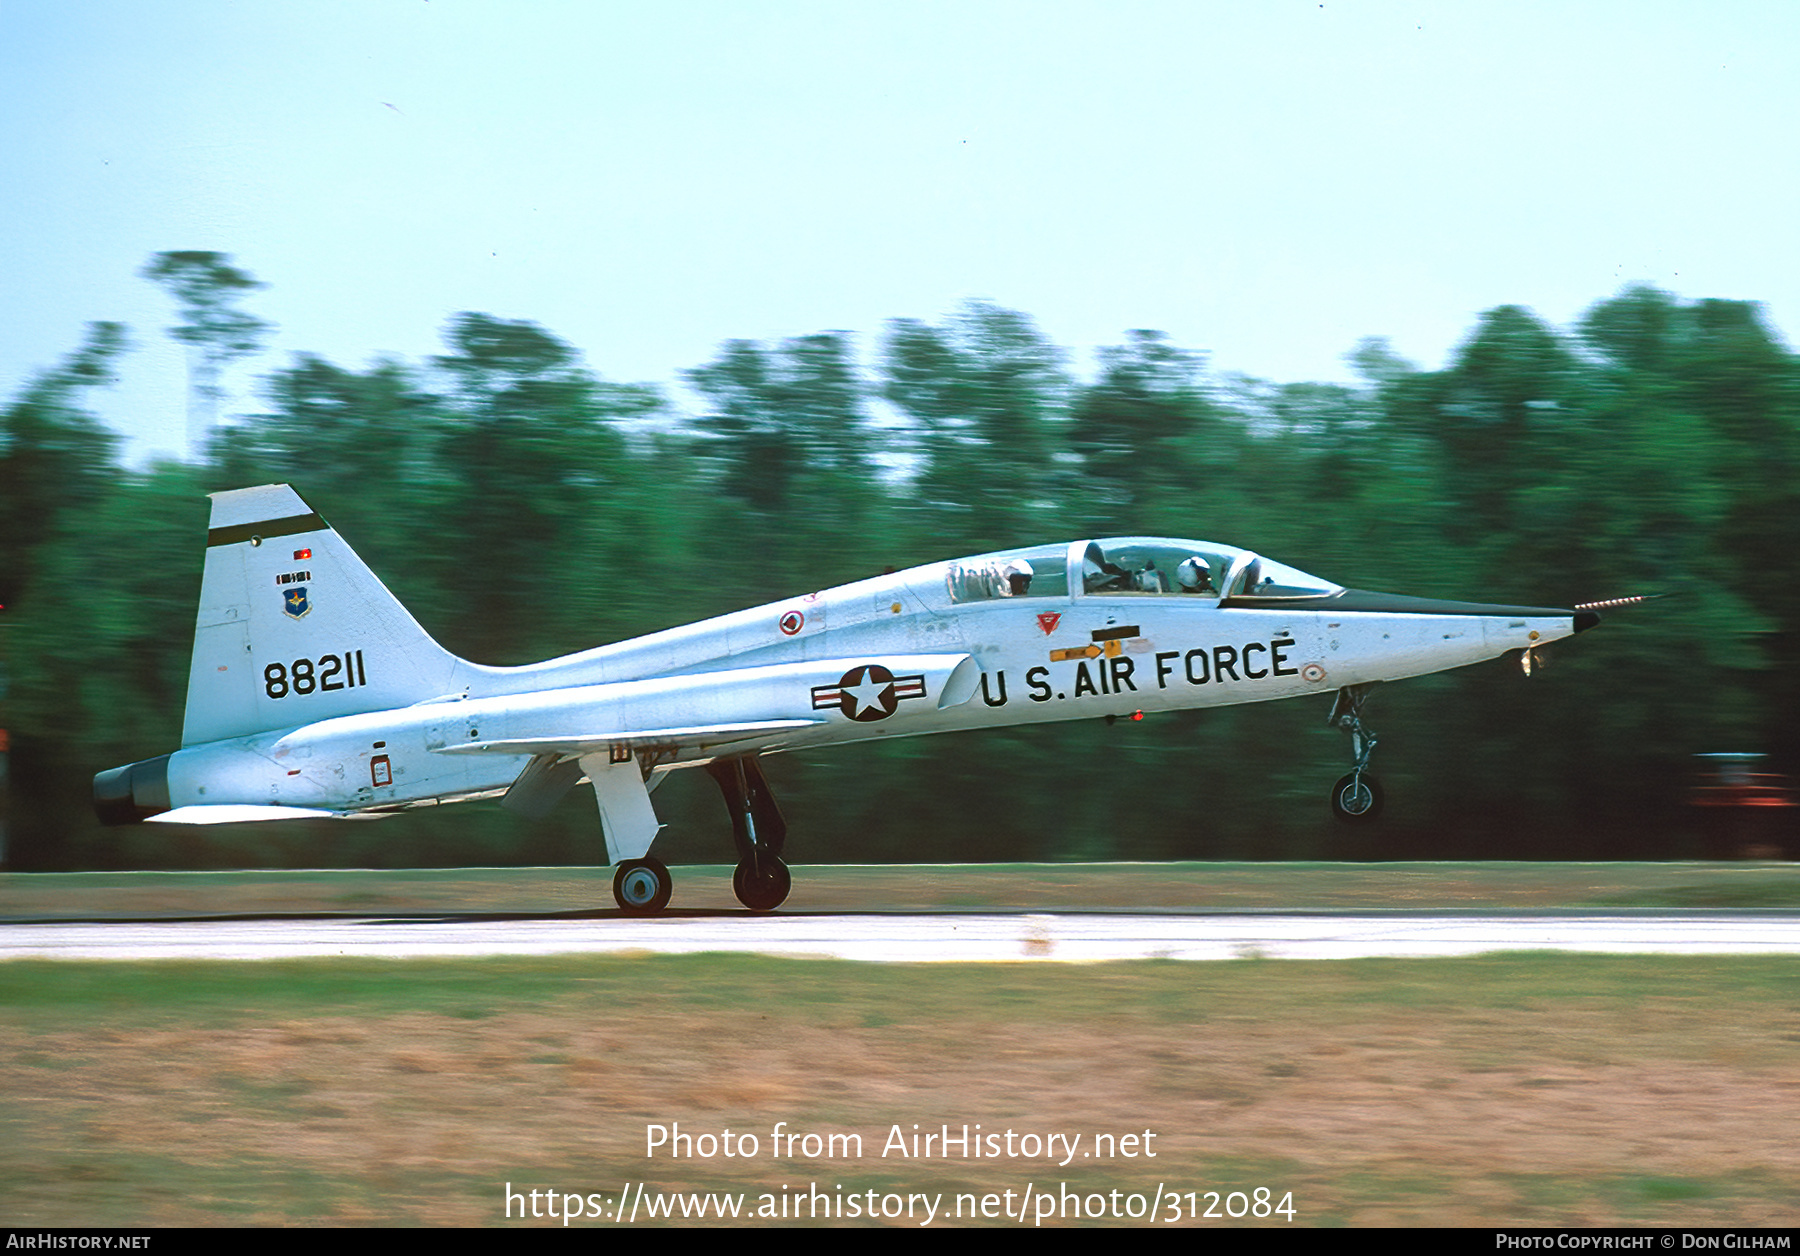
(867, 693)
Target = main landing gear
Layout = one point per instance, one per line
(1356, 798)
(762, 886)
(762, 880)
(642, 886)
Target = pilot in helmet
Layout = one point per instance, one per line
(1193, 576)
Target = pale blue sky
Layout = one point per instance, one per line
(1267, 182)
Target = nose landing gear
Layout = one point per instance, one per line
(1356, 798)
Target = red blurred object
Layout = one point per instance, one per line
(1728, 781)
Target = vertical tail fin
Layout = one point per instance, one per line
(294, 627)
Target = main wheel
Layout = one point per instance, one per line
(642, 886)
(1356, 799)
(765, 892)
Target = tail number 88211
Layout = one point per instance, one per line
(333, 671)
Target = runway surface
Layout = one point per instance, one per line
(922, 938)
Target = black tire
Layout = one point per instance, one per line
(642, 887)
(765, 892)
(1356, 799)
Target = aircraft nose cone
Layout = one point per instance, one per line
(1585, 620)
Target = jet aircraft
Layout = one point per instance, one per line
(312, 692)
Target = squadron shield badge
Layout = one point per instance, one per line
(296, 603)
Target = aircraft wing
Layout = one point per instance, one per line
(566, 733)
(240, 813)
(716, 708)
(576, 745)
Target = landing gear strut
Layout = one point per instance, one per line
(762, 880)
(1356, 798)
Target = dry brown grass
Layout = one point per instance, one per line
(1518, 1091)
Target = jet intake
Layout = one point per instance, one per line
(133, 793)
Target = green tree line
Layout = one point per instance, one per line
(523, 507)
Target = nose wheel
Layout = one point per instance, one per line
(1356, 798)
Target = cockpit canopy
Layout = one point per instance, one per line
(1129, 566)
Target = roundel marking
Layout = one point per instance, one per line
(1312, 672)
(867, 692)
(792, 622)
